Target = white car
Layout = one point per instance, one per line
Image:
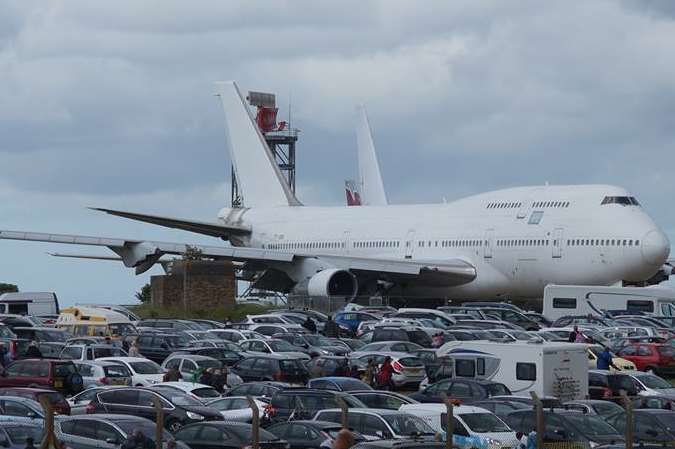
(202, 393)
(187, 364)
(144, 372)
(475, 426)
(236, 408)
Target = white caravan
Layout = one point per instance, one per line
(562, 300)
(505, 243)
(548, 369)
(29, 303)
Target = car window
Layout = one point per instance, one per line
(13, 408)
(188, 434)
(628, 351)
(189, 366)
(373, 424)
(124, 397)
(211, 434)
(460, 390)
(245, 364)
(104, 431)
(82, 428)
(71, 352)
(439, 387)
(265, 365)
(173, 363)
(644, 351)
(302, 432)
(15, 369)
(85, 370)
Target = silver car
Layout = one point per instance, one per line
(80, 402)
(104, 431)
(100, 373)
(21, 410)
(90, 352)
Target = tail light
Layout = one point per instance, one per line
(397, 366)
(607, 393)
(90, 409)
(104, 380)
(270, 411)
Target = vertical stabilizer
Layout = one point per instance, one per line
(353, 196)
(258, 176)
(370, 179)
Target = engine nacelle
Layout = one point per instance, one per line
(333, 282)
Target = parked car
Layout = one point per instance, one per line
(20, 410)
(225, 352)
(189, 365)
(263, 390)
(104, 431)
(380, 423)
(235, 335)
(303, 403)
(501, 407)
(16, 435)
(236, 408)
(158, 346)
(226, 435)
(202, 393)
(407, 369)
(144, 372)
(59, 375)
(350, 320)
(314, 345)
(274, 346)
(338, 384)
(180, 409)
(309, 434)
(80, 402)
(462, 389)
(183, 325)
(271, 367)
(623, 364)
(513, 317)
(97, 373)
(650, 426)
(328, 365)
(382, 399)
(650, 357)
(389, 346)
(91, 352)
(598, 407)
(56, 399)
(411, 334)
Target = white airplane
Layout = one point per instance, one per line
(371, 188)
(505, 243)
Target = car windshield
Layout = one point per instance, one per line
(52, 336)
(315, 340)
(206, 363)
(281, 346)
(177, 341)
(591, 425)
(206, 393)
(122, 329)
(64, 369)
(148, 428)
(655, 382)
(497, 390)
(484, 422)
(230, 346)
(147, 367)
(348, 384)
(19, 434)
(408, 425)
(180, 398)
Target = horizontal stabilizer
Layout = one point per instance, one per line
(222, 231)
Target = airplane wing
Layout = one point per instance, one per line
(142, 255)
(200, 227)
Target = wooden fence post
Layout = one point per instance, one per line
(541, 425)
(255, 422)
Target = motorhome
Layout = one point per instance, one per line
(29, 303)
(563, 300)
(94, 322)
(548, 369)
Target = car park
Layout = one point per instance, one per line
(179, 408)
(144, 372)
(100, 373)
(55, 374)
(237, 408)
(651, 426)
(228, 435)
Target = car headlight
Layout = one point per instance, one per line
(196, 416)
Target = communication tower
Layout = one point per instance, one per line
(280, 138)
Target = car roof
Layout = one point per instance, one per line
(373, 411)
(459, 409)
(336, 378)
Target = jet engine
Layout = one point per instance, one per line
(329, 282)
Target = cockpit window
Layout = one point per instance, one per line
(623, 200)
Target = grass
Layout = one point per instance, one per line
(221, 314)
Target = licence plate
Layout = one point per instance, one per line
(58, 384)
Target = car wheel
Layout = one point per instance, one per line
(174, 426)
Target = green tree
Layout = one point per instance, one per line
(8, 288)
(145, 294)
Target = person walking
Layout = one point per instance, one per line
(33, 351)
(576, 336)
(309, 325)
(331, 329)
(369, 376)
(173, 375)
(133, 349)
(386, 372)
(605, 361)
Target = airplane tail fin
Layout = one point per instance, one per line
(353, 197)
(258, 176)
(370, 178)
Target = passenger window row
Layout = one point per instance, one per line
(377, 244)
(306, 245)
(542, 204)
(603, 242)
(501, 205)
(523, 242)
(451, 243)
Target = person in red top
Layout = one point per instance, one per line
(384, 376)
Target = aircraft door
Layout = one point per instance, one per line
(557, 242)
(488, 243)
(347, 242)
(409, 244)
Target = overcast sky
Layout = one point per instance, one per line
(111, 104)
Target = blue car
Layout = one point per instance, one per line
(351, 320)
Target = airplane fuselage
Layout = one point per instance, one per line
(519, 239)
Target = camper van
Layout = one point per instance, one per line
(548, 369)
(95, 322)
(29, 303)
(562, 300)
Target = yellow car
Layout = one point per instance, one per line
(623, 364)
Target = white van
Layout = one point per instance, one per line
(474, 427)
(548, 369)
(29, 303)
(562, 300)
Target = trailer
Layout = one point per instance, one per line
(564, 300)
(29, 303)
(548, 369)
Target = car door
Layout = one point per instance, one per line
(15, 411)
(460, 390)
(107, 436)
(433, 392)
(188, 368)
(78, 433)
(119, 401)
(212, 437)
(15, 374)
(244, 369)
(145, 406)
(264, 369)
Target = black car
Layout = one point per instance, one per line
(608, 385)
(308, 434)
(500, 407)
(650, 426)
(271, 367)
(158, 346)
(566, 426)
(224, 435)
(263, 390)
(405, 333)
(328, 365)
(303, 403)
(315, 345)
(180, 409)
(226, 353)
(463, 389)
(389, 400)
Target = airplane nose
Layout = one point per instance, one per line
(655, 247)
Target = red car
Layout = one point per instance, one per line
(655, 357)
(56, 399)
(60, 375)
